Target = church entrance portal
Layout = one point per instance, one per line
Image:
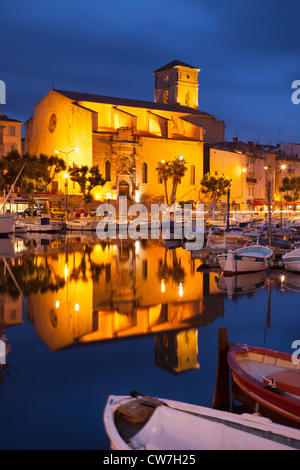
(123, 188)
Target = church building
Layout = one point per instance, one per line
(127, 138)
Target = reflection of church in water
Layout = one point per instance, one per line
(94, 292)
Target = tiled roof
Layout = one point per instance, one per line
(175, 63)
(5, 118)
(87, 97)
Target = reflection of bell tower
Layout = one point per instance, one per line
(177, 83)
(177, 351)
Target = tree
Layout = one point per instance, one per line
(215, 186)
(291, 186)
(30, 186)
(178, 172)
(174, 169)
(37, 168)
(164, 172)
(88, 179)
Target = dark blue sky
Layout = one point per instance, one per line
(248, 52)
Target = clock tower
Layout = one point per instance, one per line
(177, 83)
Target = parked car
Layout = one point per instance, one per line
(93, 212)
(58, 213)
(80, 212)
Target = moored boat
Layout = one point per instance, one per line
(248, 259)
(144, 423)
(7, 222)
(268, 378)
(291, 260)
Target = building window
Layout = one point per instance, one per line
(12, 130)
(145, 173)
(107, 171)
(166, 97)
(192, 175)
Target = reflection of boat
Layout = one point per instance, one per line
(6, 248)
(247, 259)
(292, 281)
(84, 224)
(291, 260)
(7, 222)
(144, 423)
(269, 378)
(241, 283)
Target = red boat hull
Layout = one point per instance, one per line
(285, 405)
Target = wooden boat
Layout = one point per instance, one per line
(268, 378)
(145, 423)
(248, 259)
(291, 260)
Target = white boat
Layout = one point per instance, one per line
(144, 423)
(42, 224)
(7, 222)
(291, 260)
(248, 259)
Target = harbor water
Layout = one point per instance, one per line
(83, 319)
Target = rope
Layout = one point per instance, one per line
(271, 382)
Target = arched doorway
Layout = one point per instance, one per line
(123, 188)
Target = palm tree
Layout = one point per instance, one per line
(164, 170)
(178, 172)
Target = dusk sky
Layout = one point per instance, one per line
(248, 53)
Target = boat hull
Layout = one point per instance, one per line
(281, 404)
(7, 222)
(176, 425)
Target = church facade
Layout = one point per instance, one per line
(127, 138)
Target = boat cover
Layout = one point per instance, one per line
(170, 429)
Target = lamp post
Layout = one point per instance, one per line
(66, 176)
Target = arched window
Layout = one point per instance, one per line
(107, 171)
(166, 97)
(192, 181)
(145, 173)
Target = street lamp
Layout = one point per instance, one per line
(66, 176)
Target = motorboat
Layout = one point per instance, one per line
(291, 260)
(269, 380)
(7, 222)
(146, 423)
(247, 259)
(42, 224)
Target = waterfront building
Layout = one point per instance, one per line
(10, 134)
(127, 138)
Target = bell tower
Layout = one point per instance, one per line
(177, 83)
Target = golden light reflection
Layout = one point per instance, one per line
(163, 286)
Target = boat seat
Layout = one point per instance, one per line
(287, 380)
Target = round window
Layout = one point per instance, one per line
(52, 122)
